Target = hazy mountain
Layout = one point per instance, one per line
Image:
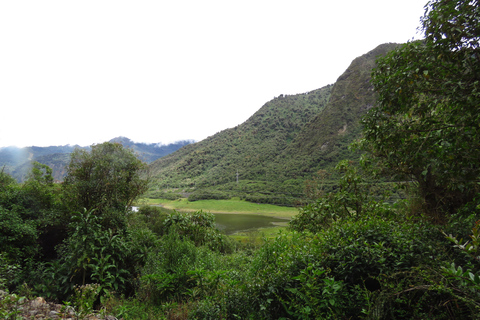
(17, 161)
(285, 142)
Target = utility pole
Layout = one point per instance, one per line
(237, 176)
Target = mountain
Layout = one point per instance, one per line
(149, 152)
(17, 161)
(284, 143)
(325, 139)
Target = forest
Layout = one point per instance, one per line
(349, 253)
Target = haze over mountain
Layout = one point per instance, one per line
(17, 161)
(285, 142)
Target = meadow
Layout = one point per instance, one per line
(234, 205)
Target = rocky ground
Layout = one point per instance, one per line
(14, 307)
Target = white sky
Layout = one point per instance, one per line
(83, 72)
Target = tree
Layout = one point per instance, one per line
(39, 187)
(426, 125)
(109, 177)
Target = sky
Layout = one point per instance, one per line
(84, 72)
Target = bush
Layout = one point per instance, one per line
(208, 195)
(198, 227)
(151, 217)
(164, 195)
(8, 272)
(280, 200)
(177, 269)
(18, 237)
(352, 268)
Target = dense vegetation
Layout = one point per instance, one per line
(348, 254)
(246, 152)
(281, 146)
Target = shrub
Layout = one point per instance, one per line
(8, 272)
(350, 269)
(353, 200)
(281, 200)
(151, 217)
(18, 237)
(198, 227)
(177, 269)
(208, 195)
(164, 195)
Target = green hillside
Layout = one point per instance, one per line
(285, 142)
(325, 139)
(248, 148)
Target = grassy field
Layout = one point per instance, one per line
(236, 206)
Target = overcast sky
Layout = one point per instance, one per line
(84, 72)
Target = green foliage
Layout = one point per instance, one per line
(368, 267)
(84, 299)
(150, 217)
(351, 256)
(32, 199)
(246, 149)
(8, 271)
(108, 178)
(174, 268)
(11, 306)
(316, 295)
(465, 282)
(43, 194)
(352, 200)
(18, 238)
(208, 195)
(92, 255)
(268, 198)
(198, 227)
(163, 195)
(426, 126)
(287, 140)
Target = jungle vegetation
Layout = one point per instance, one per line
(348, 253)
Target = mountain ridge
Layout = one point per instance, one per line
(18, 161)
(281, 145)
(285, 142)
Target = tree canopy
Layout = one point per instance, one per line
(107, 177)
(426, 124)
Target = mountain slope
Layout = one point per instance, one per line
(247, 147)
(324, 141)
(285, 142)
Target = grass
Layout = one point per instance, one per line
(224, 206)
(234, 206)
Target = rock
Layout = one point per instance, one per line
(39, 309)
(53, 313)
(38, 302)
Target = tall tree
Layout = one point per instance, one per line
(109, 177)
(426, 125)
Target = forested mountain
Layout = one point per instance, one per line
(18, 161)
(325, 139)
(285, 142)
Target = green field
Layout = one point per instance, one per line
(224, 206)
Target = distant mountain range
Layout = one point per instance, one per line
(18, 161)
(286, 142)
